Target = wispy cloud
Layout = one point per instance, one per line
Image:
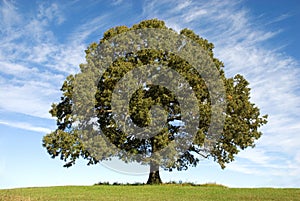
(9, 14)
(82, 32)
(13, 69)
(51, 13)
(116, 2)
(26, 126)
(33, 64)
(31, 98)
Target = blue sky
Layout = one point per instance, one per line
(44, 41)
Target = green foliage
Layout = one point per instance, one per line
(242, 118)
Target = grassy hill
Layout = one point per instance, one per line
(146, 192)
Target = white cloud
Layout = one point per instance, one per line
(32, 41)
(33, 64)
(13, 69)
(51, 13)
(89, 27)
(31, 98)
(192, 16)
(257, 156)
(26, 126)
(116, 2)
(279, 18)
(182, 5)
(9, 14)
(29, 91)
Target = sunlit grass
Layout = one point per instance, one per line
(149, 192)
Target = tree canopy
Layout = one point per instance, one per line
(150, 95)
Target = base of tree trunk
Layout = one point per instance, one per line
(154, 178)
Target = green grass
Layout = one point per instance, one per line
(146, 192)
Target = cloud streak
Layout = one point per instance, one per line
(26, 126)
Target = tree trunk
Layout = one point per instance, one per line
(154, 177)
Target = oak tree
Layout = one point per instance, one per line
(88, 127)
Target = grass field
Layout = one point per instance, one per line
(146, 192)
